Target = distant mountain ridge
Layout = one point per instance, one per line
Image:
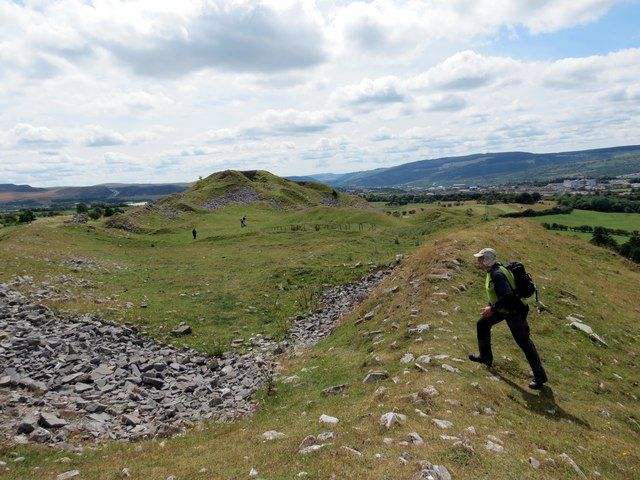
(16, 196)
(494, 168)
(480, 168)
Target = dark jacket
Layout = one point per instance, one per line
(507, 301)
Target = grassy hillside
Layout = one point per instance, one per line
(577, 218)
(231, 282)
(589, 411)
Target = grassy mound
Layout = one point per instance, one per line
(246, 187)
(232, 188)
(589, 411)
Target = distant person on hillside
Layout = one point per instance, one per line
(243, 221)
(194, 233)
(505, 305)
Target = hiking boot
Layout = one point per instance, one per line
(479, 359)
(538, 383)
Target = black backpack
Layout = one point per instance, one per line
(525, 287)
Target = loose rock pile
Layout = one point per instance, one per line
(84, 378)
(242, 196)
(79, 379)
(309, 330)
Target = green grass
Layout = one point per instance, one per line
(574, 278)
(231, 282)
(577, 218)
(493, 211)
(625, 221)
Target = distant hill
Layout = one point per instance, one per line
(495, 168)
(10, 187)
(16, 196)
(232, 187)
(244, 187)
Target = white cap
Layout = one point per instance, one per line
(489, 256)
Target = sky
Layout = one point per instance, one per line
(151, 91)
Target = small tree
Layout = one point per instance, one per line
(602, 238)
(334, 194)
(26, 216)
(82, 208)
(631, 249)
(95, 214)
(108, 211)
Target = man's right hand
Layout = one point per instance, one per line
(487, 312)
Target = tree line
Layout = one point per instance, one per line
(589, 229)
(489, 198)
(607, 202)
(94, 212)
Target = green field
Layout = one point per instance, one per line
(577, 218)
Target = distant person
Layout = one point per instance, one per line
(505, 305)
(194, 233)
(243, 221)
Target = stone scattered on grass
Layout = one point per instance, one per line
(415, 438)
(574, 465)
(449, 368)
(375, 376)
(271, 435)
(335, 389)
(494, 447)
(68, 475)
(442, 423)
(391, 419)
(328, 420)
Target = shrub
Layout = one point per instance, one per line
(26, 216)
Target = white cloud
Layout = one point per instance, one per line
(385, 26)
(466, 70)
(178, 89)
(42, 137)
(448, 102)
(288, 122)
(382, 90)
(97, 136)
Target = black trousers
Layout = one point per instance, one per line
(517, 322)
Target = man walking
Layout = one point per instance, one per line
(504, 304)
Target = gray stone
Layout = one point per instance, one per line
(131, 420)
(68, 475)
(49, 420)
(391, 419)
(574, 465)
(41, 435)
(181, 330)
(272, 435)
(335, 389)
(420, 329)
(27, 425)
(375, 377)
(442, 423)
